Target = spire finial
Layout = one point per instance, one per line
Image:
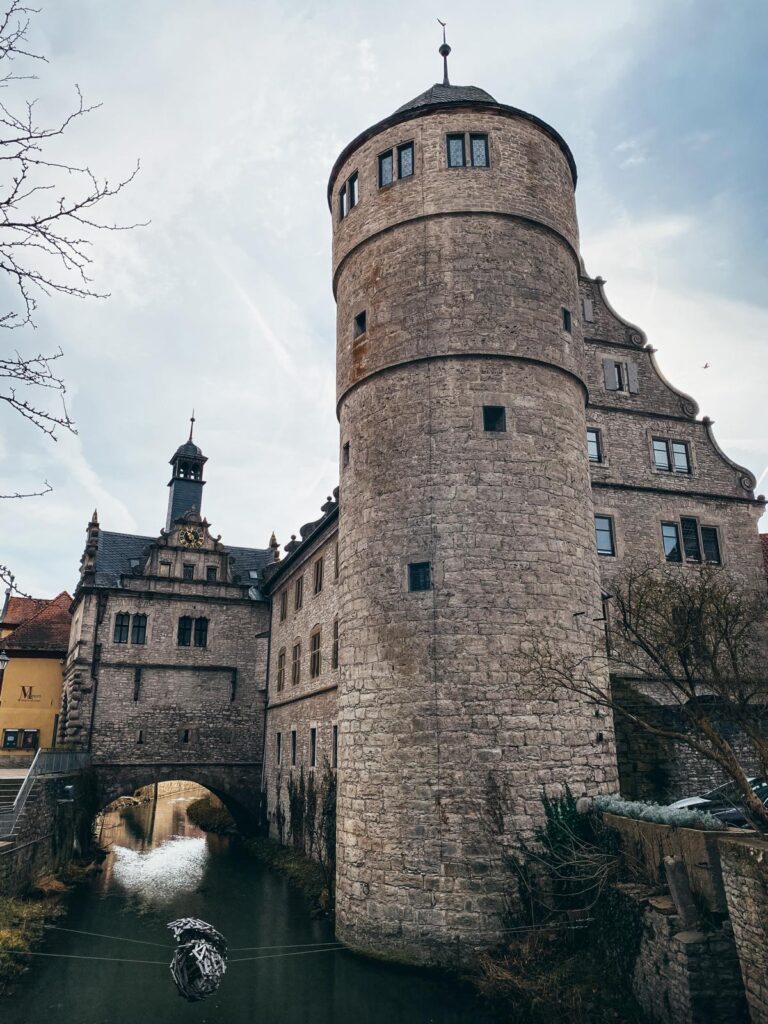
(444, 51)
(191, 424)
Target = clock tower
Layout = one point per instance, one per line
(186, 482)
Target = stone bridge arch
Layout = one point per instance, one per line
(237, 786)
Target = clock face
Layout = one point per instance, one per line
(189, 537)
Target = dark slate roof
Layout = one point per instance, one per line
(114, 554)
(116, 551)
(190, 450)
(448, 94)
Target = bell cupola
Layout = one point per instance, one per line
(186, 482)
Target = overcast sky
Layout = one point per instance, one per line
(237, 110)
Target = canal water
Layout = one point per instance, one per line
(161, 867)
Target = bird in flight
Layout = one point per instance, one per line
(705, 366)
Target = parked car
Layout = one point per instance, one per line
(725, 802)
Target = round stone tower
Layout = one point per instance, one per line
(466, 526)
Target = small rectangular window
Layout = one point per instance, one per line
(589, 312)
(296, 665)
(139, 629)
(313, 747)
(710, 542)
(420, 576)
(385, 169)
(186, 735)
(281, 670)
(278, 748)
(345, 454)
(594, 445)
(604, 535)
(140, 737)
(456, 156)
(318, 575)
(661, 455)
(335, 746)
(201, 632)
(680, 460)
(188, 572)
(478, 148)
(342, 202)
(184, 633)
(211, 573)
(122, 624)
(283, 605)
(298, 593)
(405, 160)
(164, 569)
(336, 561)
(314, 655)
(335, 647)
(691, 543)
(567, 321)
(494, 419)
(360, 325)
(352, 190)
(293, 748)
(670, 534)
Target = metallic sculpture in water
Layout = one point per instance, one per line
(199, 962)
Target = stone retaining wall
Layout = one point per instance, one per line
(745, 874)
(45, 839)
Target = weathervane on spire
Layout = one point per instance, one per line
(444, 51)
(191, 424)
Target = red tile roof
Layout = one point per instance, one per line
(22, 608)
(46, 629)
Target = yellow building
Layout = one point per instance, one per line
(34, 635)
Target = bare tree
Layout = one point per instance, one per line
(697, 638)
(47, 222)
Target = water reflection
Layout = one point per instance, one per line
(161, 867)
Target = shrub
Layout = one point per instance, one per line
(642, 810)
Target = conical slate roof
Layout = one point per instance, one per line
(447, 94)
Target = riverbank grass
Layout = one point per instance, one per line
(22, 924)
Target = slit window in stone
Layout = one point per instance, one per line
(139, 737)
(335, 746)
(594, 445)
(710, 543)
(420, 576)
(456, 157)
(345, 456)
(122, 624)
(313, 747)
(335, 646)
(298, 593)
(342, 202)
(184, 632)
(293, 748)
(604, 535)
(670, 535)
(567, 321)
(691, 542)
(201, 632)
(314, 655)
(281, 670)
(278, 748)
(283, 605)
(318, 575)
(478, 148)
(360, 325)
(296, 665)
(139, 629)
(386, 169)
(405, 160)
(494, 419)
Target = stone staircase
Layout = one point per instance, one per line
(9, 789)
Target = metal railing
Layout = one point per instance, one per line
(46, 762)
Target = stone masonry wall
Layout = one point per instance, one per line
(45, 837)
(311, 702)
(745, 874)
